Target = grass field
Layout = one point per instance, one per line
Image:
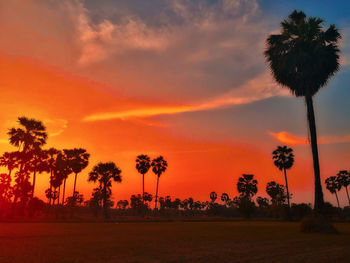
(170, 242)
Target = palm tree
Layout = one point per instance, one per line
(143, 163)
(225, 198)
(247, 186)
(333, 186)
(38, 163)
(78, 160)
(105, 173)
(32, 134)
(9, 160)
(303, 57)
(159, 165)
(52, 154)
(343, 178)
(213, 196)
(284, 159)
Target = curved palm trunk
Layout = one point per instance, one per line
(143, 188)
(347, 193)
(285, 177)
(64, 191)
(319, 201)
(337, 199)
(75, 183)
(50, 186)
(155, 207)
(34, 177)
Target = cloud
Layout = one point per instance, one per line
(55, 127)
(291, 139)
(254, 90)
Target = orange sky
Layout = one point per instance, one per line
(141, 98)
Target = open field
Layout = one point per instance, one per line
(170, 242)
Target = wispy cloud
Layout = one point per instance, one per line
(254, 90)
(290, 139)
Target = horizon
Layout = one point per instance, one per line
(185, 80)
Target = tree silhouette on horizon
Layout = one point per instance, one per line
(105, 174)
(143, 163)
(333, 186)
(284, 159)
(303, 57)
(159, 165)
(343, 178)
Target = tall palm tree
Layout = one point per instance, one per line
(31, 134)
(105, 174)
(78, 159)
(303, 57)
(333, 186)
(159, 165)
(143, 163)
(284, 159)
(9, 160)
(52, 154)
(38, 163)
(343, 178)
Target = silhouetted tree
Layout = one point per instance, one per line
(276, 192)
(78, 159)
(213, 196)
(38, 163)
(122, 204)
(303, 57)
(52, 154)
(247, 186)
(143, 163)
(284, 159)
(10, 161)
(343, 178)
(263, 202)
(105, 174)
(333, 186)
(159, 165)
(6, 191)
(225, 198)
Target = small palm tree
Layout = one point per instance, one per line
(343, 178)
(105, 174)
(78, 159)
(9, 160)
(213, 196)
(143, 163)
(225, 198)
(284, 159)
(38, 163)
(159, 165)
(333, 186)
(303, 57)
(247, 186)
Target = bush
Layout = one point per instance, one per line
(317, 224)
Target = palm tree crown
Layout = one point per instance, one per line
(143, 163)
(159, 165)
(304, 55)
(283, 157)
(32, 135)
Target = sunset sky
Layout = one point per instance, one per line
(182, 79)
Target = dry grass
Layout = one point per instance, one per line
(170, 242)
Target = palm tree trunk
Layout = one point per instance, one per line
(319, 201)
(285, 177)
(34, 177)
(155, 207)
(337, 198)
(75, 183)
(143, 188)
(105, 202)
(64, 191)
(347, 193)
(58, 197)
(50, 186)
